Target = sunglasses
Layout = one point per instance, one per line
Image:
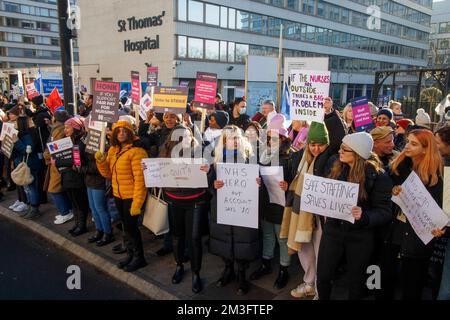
(346, 150)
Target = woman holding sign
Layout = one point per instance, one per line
(231, 243)
(187, 206)
(72, 178)
(122, 165)
(420, 155)
(357, 164)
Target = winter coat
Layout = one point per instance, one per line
(336, 129)
(54, 176)
(123, 167)
(71, 176)
(153, 141)
(230, 242)
(92, 177)
(272, 212)
(19, 153)
(242, 121)
(403, 234)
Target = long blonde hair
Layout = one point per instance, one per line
(345, 112)
(430, 165)
(357, 173)
(244, 148)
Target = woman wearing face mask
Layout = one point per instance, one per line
(231, 243)
(303, 230)
(238, 114)
(122, 164)
(186, 206)
(357, 164)
(72, 176)
(420, 155)
(278, 152)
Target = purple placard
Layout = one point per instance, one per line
(361, 114)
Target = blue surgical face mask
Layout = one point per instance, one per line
(243, 111)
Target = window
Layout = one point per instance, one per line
(54, 41)
(195, 48)
(212, 14)
(320, 9)
(195, 11)
(241, 52)
(182, 47)
(30, 25)
(232, 18)
(211, 50)
(242, 20)
(12, 7)
(27, 39)
(292, 4)
(345, 16)
(223, 17)
(230, 51)
(308, 6)
(182, 10)
(223, 51)
(257, 24)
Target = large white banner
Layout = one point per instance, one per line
(423, 213)
(307, 90)
(174, 173)
(329, 198)
(237, 200)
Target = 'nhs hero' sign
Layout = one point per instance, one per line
(133, 23)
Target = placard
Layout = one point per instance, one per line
(307, 91)
(93, 141)
(152, 76)
(135, 87)
(7, 146)
(361, 114)
(205, 90)
(237, 200)
(170, 99)
(174, 173)
(8, 129)
(106, 101)
(145, 106)
(329, 198)
(423, 213)
(272, 176)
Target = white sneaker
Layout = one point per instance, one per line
(304, 290)
(14, 205)
(20, 207)
(64, 219)
(58, 217)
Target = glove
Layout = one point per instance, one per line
(99, 156)
(135, 212)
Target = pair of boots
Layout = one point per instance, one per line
(229, 275)
(101, 238)
(266, 268)
(79, 226)
(134, 259)
(196, 262)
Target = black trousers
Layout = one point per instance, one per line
(80, 205)
(131, 232)
(357, 246)
(413, 274)
(187, 229)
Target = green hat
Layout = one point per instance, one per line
(318, 133)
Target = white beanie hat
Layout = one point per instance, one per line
(360, 142)
(422, 118)
(129, 119)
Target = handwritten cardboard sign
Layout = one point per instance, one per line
(329, 198)
(174, 173)
(307, 90)
(423, 213)
(237, 200)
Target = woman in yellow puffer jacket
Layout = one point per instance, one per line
(122, 165)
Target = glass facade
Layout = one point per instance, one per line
(270, 26)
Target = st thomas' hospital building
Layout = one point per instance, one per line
(181, 37)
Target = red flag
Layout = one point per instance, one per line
(54, 101)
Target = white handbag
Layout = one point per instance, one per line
(21, 175)
(156, 215)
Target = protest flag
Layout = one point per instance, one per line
(54, 101)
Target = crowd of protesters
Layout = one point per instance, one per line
(109, 187)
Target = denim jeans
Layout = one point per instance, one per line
(100, 213)
(32, 191)
(62, 202)
(271, 233)
(444, 292)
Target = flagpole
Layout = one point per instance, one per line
(280, 58)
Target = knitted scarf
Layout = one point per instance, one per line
(297, 226)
